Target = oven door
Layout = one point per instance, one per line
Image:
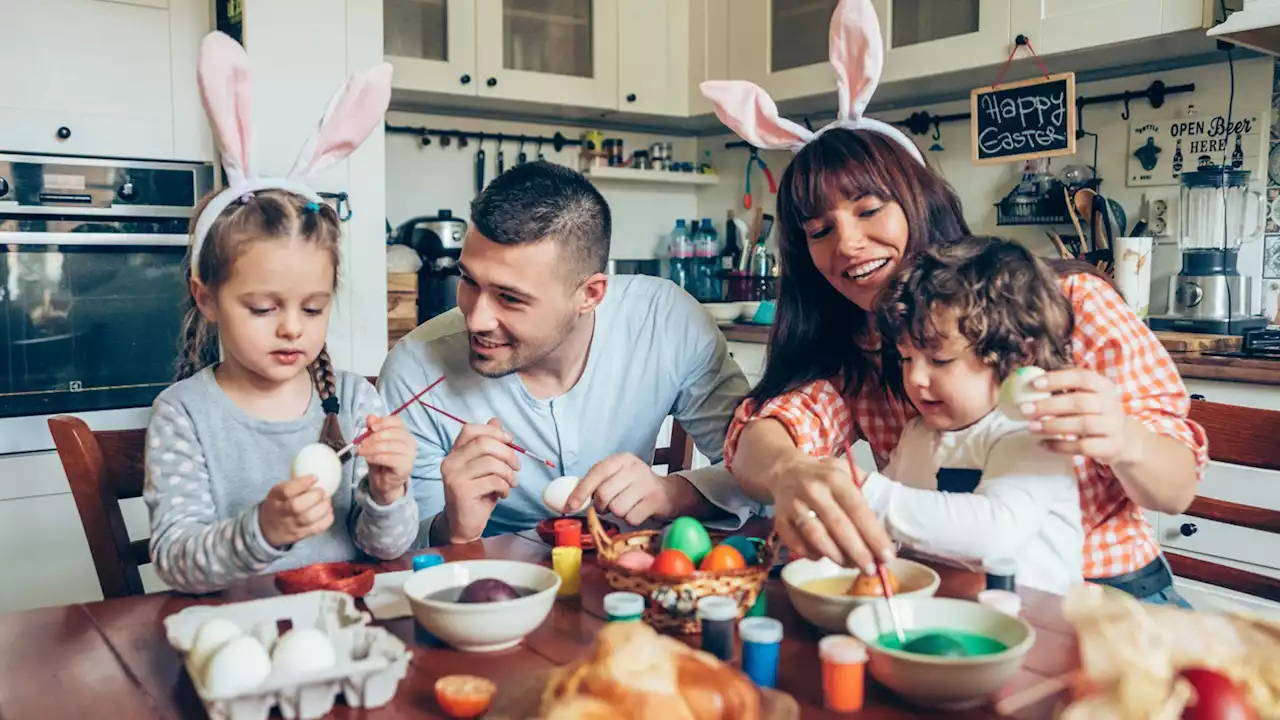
(89, 325)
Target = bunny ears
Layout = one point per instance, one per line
(857, 55)
(352, 114)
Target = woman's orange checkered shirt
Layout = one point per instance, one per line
(1108, 339)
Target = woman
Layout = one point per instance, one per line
(854, 202)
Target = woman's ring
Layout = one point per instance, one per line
(804, 516)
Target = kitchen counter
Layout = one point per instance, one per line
(741, 332)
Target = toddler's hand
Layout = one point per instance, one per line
(390, 451)
(294, 510)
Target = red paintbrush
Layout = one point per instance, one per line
(365, 435)
(881, 569)
(511, 445)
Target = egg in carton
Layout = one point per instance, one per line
(369, 662)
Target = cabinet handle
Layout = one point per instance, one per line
(491, 82)
(64, 132)
(631, 97)
(466, 79)
(1197, 396)
(1188, 529)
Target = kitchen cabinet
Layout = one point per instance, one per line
(1056, 26)
(431, 44)
(103, 78)
(709, 50)
(930, 37)
(654, 48)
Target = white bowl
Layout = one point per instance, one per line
(723, 312)
(747, 310)
(482, 627)
(830, 612)
(946, 683)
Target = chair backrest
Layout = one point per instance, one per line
(103, 468)
(1239, 436)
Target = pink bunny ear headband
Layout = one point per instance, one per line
(857, 54)
(352, 114)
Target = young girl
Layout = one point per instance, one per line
(264, 266)
(967, 480)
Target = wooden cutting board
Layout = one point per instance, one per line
(1196, 342)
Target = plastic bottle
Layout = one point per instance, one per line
(707, 249)
(680, 255)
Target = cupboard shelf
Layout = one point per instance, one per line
(626, 174)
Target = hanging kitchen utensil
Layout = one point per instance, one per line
(937, 138)
(1075, 219)
(1100, 224)
(755, 160)
(540, 155)
(1061, 247)
(521, 158)
(479, 166)
(500, 164)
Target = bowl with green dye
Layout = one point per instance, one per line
(971, 652)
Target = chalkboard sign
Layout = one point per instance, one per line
(1022, 120)
(229, 18)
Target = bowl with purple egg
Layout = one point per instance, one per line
(482, 605)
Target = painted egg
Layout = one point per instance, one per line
(722, 557)
(213, 634)
(319, 460)
(689, 537)
(1016, 390)
(635, 560)
(672, 563)
(1217, 697)
(556, 495)
(465, 696)
(866, 584)
(303, 650)
(239, 666)
(745, 546)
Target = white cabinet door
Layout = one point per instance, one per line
(1056, 26)
(1263, 397)
(431, 44)
(551, 51)
(653, 57)
(709, 49)
(86, 77)
(781, 45)
(928, 37)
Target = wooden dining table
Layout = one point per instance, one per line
(111, 659)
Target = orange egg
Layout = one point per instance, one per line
(723, 557)
(672, 563)
(869, 585)
(465, 696)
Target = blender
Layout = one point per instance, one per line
(1217, 213)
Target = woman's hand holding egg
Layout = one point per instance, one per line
(294, 510)
(1083, 416)
(390, 451)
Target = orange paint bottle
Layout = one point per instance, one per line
(844, 663)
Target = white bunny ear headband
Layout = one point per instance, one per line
(352, 114)
(857, 54)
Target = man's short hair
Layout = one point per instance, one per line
(543, 201)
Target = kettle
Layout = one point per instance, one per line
(438, 241)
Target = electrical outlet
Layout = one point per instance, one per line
(1163, 219)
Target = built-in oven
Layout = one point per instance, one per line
(92, 288)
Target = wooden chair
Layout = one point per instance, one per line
(103, 468)
(1239, 436)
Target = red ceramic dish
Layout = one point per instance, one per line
(351, 578)
(547, 531)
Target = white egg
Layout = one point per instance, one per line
(556, 495)
(239, 666)
(212, 634)
(303, 650)
(319, 460)
(1016, 390)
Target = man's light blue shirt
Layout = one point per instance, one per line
(654, 353)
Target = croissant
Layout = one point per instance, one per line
(633, 673)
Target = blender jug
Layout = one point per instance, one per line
(1217, 210)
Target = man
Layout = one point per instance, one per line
(577, 367)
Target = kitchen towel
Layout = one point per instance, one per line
(1133, 272)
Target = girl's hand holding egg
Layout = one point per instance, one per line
(390, 451)
(294, 510)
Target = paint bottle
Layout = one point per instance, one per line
(426, 560)
(567, 563)
(844, 663)
(1006, 602)
(1000, 573)
(568, 532)
(717, 615)
(624, 606)
(761, 638)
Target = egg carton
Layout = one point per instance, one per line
(370, 660)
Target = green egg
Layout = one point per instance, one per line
(744, 545)
(689, 537)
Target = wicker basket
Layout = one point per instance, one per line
(673, 601)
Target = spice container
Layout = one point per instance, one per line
(761, 638)
(640, 160)
(624, 606)
(615, 148)
(844, 664)
(718, 614)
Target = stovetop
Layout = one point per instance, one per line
(1257, 345)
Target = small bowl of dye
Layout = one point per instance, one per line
(986, 647)
(819, 589)
(461, 604)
